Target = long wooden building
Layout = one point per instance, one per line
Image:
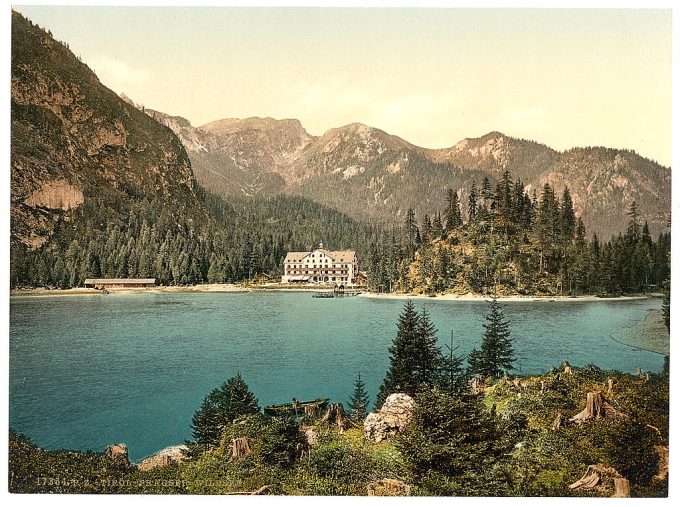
(120, 283)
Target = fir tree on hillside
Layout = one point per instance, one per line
(496, 353)
(451, 374)
(452, 214)
(220, 408)
(358, 403)
(414, 355)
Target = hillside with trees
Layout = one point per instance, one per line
(517, 243)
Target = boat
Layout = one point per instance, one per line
(323, 295)
(296, 409)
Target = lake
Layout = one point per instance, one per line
(87, 371)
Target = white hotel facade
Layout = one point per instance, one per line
(321, 266)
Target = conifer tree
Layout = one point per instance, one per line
(413, 355)
(451, 378)
(358, 403)
(496, 353)
(452, 214)
(472, 202)
(634, 225)
(220, 408)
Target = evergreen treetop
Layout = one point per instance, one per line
(358, 403)
(496, 353)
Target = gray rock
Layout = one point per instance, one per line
(392, 418)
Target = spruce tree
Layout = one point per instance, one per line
(220, 408)
(452, 214)
(472, 202)
(414, 355)
(496, 353)
(451, 375)
(358, 403)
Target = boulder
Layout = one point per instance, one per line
(388, 487)
(392, 418)
(167, 456)
(118, 453)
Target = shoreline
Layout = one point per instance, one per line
(648, 334)
(505, 299)
(236, 288)
(81, 291)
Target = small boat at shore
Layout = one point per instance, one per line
(297, 408)
(323, 295)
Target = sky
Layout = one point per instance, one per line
(565, 78)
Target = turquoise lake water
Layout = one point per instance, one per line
(86, 371)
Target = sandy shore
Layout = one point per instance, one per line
(509, 299)
(212, 287)
(229, 287)
(648, 334)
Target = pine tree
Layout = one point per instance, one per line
(451, 378)
(452, 214)
(634, 224)
(496, 353)
(414, 355)
(472, 203)
(220, 408)
(358, 403)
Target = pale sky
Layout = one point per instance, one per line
(564, 78)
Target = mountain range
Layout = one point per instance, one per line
(76, 144)
(373, 175)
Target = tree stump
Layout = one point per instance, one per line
(610, 387)
(595, 477)
(542, 386)
(557, 423)
(388, 487)
(597, 407)
(335, 416)
(662, 451)
(240, 448)
(311, 411)
(622, 488)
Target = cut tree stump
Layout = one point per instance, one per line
(662, 451)
(557, 423)
(601, 478)
(597, 407)
(240, 448)
(622, 488)
(335, 416)
(311, 411)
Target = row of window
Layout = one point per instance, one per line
(296, 266)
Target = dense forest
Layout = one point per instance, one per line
(514, 243)
(231, 242)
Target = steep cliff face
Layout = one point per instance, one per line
(74, 141)
(240, 157)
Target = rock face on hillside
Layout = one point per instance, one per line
(392, 418)
(248, 157)
(74, 141)
(369, 173)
